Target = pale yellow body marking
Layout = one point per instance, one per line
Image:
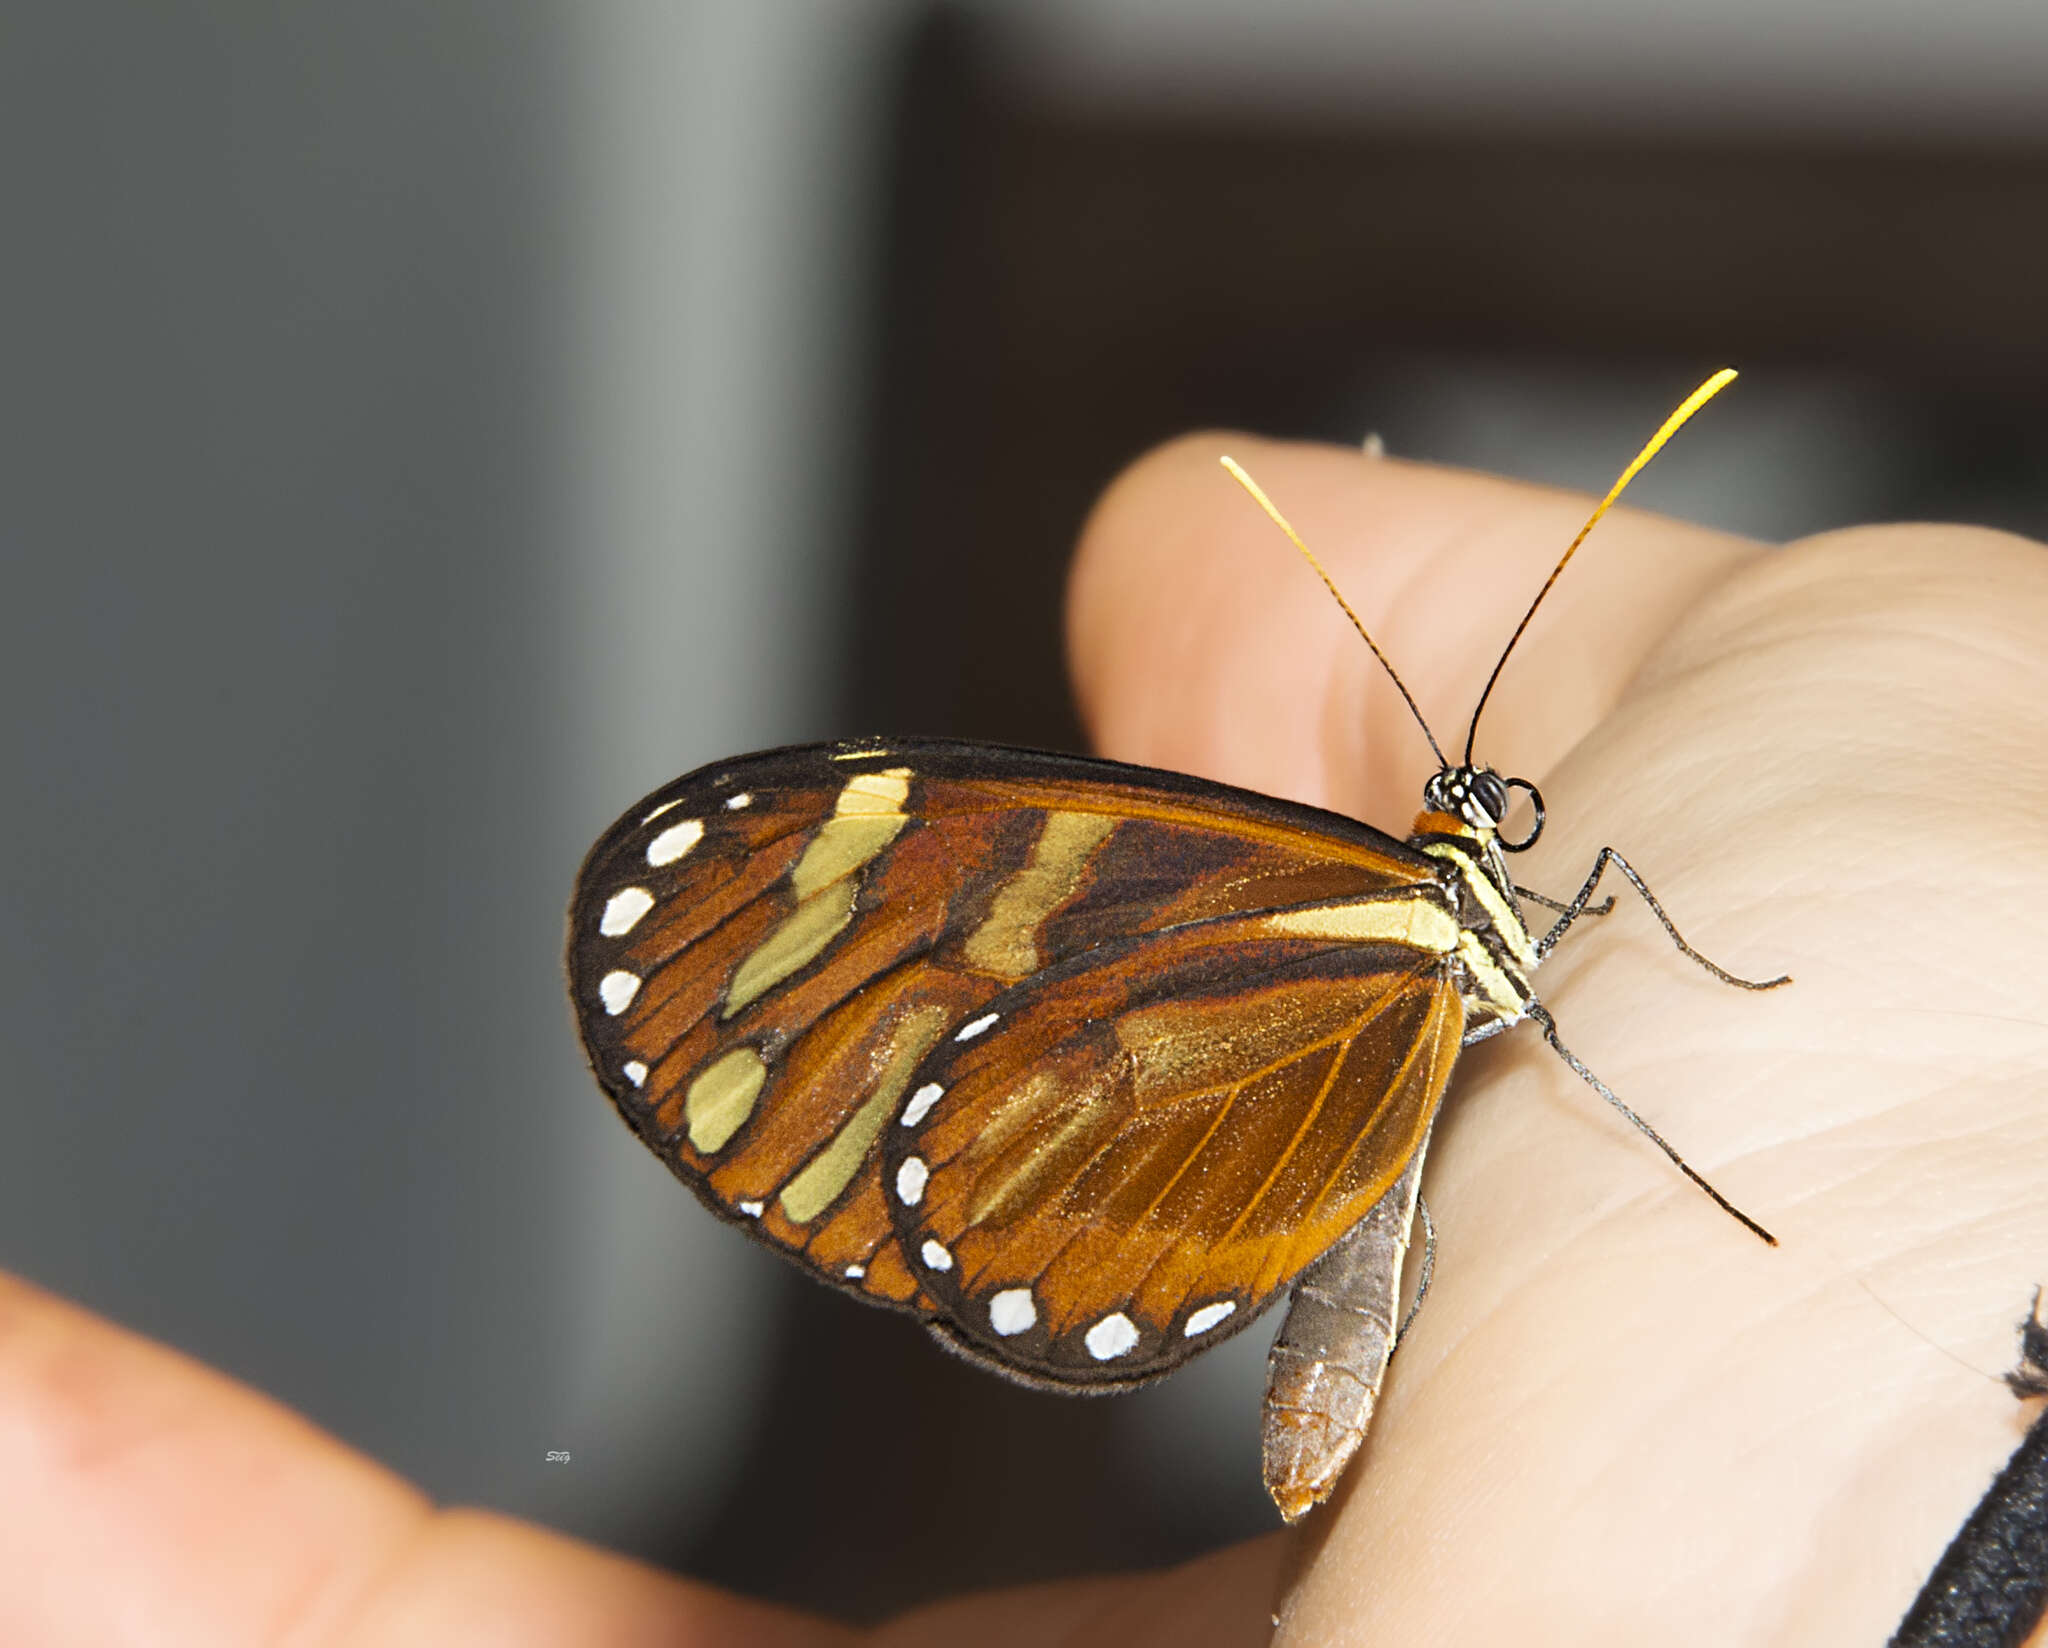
(819, 1184)
(1495, 988)
(1006, 943)
(868, 816)
(722, 1097)
(1418, 923)
(1507, 920)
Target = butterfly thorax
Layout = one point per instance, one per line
(1459, 827)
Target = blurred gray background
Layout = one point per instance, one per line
(428, 428)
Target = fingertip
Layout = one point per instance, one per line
(1200, 641)
(145, 1485)
(1145, 531)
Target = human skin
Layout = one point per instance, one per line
(1621, 1418)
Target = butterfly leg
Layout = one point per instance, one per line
(1428, 1273)
(1324, 1371)
(1541, 1015)
(1604, 907)
(1577, 908)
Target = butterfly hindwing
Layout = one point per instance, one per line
(765, 953)
(1130, 1155)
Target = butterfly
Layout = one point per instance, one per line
(1084, 1065)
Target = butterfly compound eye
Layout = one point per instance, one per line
(1486, 800)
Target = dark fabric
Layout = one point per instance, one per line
(1990, 1588)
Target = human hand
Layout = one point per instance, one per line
(1620, 1418)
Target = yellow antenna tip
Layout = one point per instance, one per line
(1671, 426)
(1239, 474)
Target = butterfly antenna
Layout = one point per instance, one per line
(1237, 473)
(1693, 402)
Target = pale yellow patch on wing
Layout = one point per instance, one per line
(801, 937)
(819, 1184)
(841, 846)
(1006, 943)
(875, 792)
(1418, 923)
(867, 817)
(722, 1097)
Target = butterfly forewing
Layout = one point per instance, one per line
(774, 959)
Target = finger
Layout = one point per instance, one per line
(144, 1488)
(1225, 1600)
(150, 1499)
(1200, 640)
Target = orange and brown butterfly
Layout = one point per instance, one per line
(1083, 1064)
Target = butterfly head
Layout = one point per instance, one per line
(1479, 798)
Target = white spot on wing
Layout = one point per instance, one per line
(635, 1072)
(910, 1178)
(1012, 1311)
(666, 806)
(936, 1257)
(623, 910)
(752, 1209)
(733, 803)
(1208, 1316)
(855, 1272)
(975, 1027)
(1111, 1337)
(617, 990)
(675, 841)
(921, 1102)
